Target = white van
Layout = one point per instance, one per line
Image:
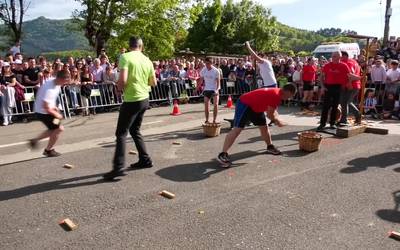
(326, 49)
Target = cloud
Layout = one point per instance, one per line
(52, 9)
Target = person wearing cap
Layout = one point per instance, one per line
(350, 91)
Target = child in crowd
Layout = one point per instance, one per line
(390, 107)
(370, 104)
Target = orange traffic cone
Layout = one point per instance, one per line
(229, 103)
(175, 110)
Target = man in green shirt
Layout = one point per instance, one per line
(135, 79)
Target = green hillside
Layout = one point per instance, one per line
(44, 35)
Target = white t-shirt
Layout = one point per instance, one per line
(14, 50)
(210, 78)
(48, 92)
(267, 73)
(393, 75)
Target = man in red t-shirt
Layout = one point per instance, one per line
(350, 91)
(335, 76)
(251, 107)
(308, 77)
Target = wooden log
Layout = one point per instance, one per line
(376, 130)
(347, 132)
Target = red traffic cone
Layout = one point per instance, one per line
(229, 103)
(175, 110)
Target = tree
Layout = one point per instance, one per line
(98, 20)
(158, 22)
(12, 13)
(224, 28)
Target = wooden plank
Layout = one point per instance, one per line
(347, 132)
(376, 130)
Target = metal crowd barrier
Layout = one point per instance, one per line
(71, 100)
(26, 106)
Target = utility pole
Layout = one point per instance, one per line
(388, 14)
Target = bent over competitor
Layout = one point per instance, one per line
(251, 107)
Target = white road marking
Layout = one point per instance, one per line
(25, 142)
(18, 143)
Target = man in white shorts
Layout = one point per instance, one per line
(211, 78)
(47, 112)
(265, 66)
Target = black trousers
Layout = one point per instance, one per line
(130, 118)
(331, 101)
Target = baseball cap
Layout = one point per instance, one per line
(6, 64)
(18, 61)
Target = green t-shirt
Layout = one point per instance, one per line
(140, 69)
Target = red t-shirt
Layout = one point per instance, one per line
(309, 72)
(336, 73)
(354, 69)
(260, 99)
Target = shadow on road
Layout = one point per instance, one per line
(380, 161)
(191, 172)
(392, 215)
(49, 186)
(276, 137)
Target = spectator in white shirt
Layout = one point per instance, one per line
(210, 76)
(393, 77)
(97, 71)
(378, 77)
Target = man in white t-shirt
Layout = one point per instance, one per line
(47, 112)
(393, 77)
(210, 76)
(16, 49)
(266, 70)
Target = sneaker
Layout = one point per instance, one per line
(113, 174)
(333, 126)
(141, 164)
(271, 149)
(223, 158)
(271, 123)
(51, 153)
(33, 143)
(320, 128)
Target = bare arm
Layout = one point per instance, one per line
(254, 54)
(122, 79)
(153, 80)
(273, 115)
(52, 111)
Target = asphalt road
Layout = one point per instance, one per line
(341, 197)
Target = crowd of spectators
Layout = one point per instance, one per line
(181, 76)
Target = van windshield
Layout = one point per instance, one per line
(327, 55)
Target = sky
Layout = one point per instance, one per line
(364, 16)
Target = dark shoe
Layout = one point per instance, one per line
(141, 164)
(113, 174)
(223, 158)
(51, 153)
(33, 144)
(333, 126)
(271, 124)
(271, 149)
(320, 128)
